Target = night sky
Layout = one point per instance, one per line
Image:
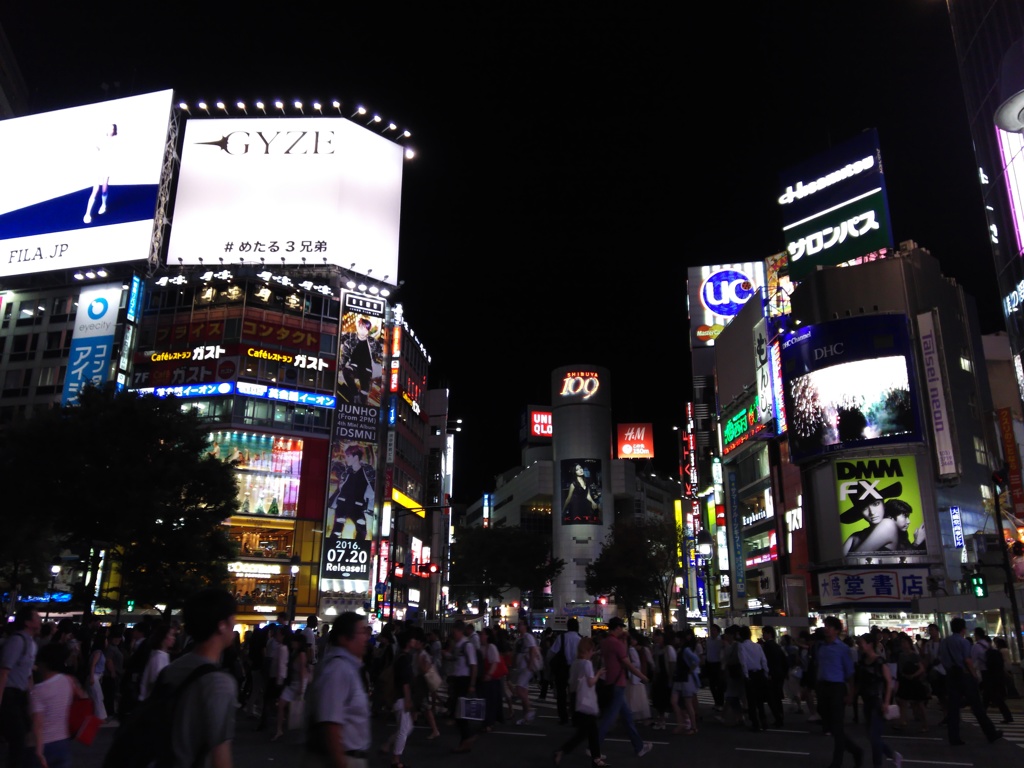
(573, 159)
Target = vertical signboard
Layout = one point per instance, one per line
(738, 561)
(763, 374)
(355, 456)
(1012, 458)
(90, 357)
(935, 395)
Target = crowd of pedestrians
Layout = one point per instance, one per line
(331, 683)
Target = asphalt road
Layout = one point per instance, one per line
(798, 744)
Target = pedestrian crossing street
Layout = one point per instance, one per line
(1012, 732)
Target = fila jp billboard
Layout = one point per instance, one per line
(288, 191)
(80, 184)
(716, 294)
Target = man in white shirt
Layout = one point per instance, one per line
(755, 670)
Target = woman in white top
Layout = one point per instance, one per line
(160, 642)
(97, 664)
(297, 678)
(527, 661)
(636, 692)
(50, 704)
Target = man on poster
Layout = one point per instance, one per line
(361, 363)
(353, 499)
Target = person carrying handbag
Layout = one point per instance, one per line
(582, 679)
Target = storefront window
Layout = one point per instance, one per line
(267, 467)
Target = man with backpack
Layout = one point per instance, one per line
(560, 658)
(189, 718)
(17, 657)
(988, 663)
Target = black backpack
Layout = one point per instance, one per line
(144, 737)
(994, 661)
(560, 661)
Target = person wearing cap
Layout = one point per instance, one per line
(616, 663)
(881, 533)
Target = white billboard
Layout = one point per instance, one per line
(288, 191)
(80, 185)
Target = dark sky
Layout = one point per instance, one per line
(574, 158)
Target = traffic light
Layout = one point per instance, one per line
(131, 606)
(979, 588)
(433, 568)
(1001, 479)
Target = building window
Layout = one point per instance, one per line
(965, 361)
(986, 493)
(23, 346)
(979, 452)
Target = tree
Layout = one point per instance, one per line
(134, 482)
(637, 564)
(488, 562)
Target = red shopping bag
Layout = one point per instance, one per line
(82, 721)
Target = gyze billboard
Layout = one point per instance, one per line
(80, 185)
(288, 191)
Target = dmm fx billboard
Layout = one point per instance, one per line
(716, 294)
(848, 384)
(288, 191)
(879, 501)
(93, 340)
(351, 510)
(834, 207)
(81, 184)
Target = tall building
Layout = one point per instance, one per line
(988, 36)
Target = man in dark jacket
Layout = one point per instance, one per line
(778, 670)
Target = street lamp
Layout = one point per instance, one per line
(705, 546)
(291, 589)
(54, 571)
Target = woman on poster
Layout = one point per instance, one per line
(881, 533)
(579, 501)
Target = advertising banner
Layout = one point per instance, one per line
(581, 491)
(848, 384)
(935, 396)
(351, 510)
(635, 441)
(864, 585)
(762, 366)
(737, 562)
(535, 426)
(288, 191)
(716, 294)
(87, 181)
(1012, 457)
(834, 207)
(93, 341)
(879, 503)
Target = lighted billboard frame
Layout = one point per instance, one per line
(87, 182)
(298, 191)
(849, 383)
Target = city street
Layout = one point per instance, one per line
(799, 744)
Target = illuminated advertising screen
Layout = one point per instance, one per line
(716, 294)
(880, 505)
(81, 184)
(288, 191)
(267, 469)
(834, 207)
(635, 441)
(848, 384)
(581, 491)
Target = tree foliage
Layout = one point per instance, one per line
(637, 564)
(488, 562)
(132, 480)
